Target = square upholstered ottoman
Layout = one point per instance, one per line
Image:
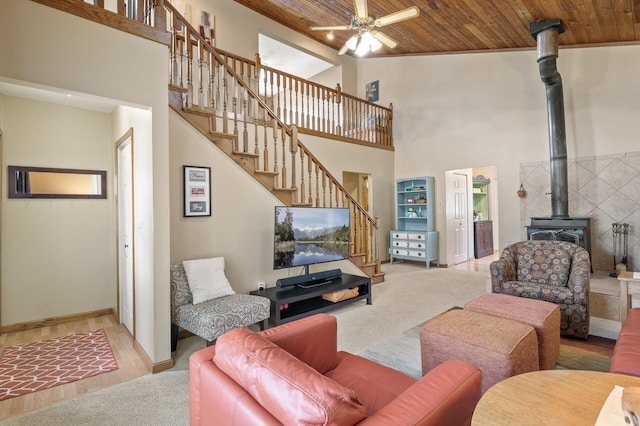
(541, 315)
(499, 347)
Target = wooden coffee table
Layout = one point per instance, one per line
(549, 397)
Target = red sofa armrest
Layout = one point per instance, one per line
(313, 340)
(626, 353)
(216, 398)
(197, 363)
(447, 395)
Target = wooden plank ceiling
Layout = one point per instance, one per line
(455, 26)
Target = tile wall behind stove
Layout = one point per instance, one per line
(604, 188)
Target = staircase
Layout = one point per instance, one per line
(227, 101)
(363, 228)
(255, 114)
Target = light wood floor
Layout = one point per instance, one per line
(130, 365)
(477, 265)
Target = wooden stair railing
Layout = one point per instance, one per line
(314, 108)
(224, 103)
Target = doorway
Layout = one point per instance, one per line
(125, 234)
(457, 215)
(461, 214)
(358, 185)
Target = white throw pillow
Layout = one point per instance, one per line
(207, 279)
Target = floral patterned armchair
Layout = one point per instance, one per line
(553, 271)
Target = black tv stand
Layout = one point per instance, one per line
(312, 284)
(293, 302)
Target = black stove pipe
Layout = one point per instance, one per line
(546, 33)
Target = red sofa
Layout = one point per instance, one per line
(294, 374)
(626, 353)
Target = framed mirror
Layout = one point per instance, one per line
(47, 182)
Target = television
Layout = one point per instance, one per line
(305, 236)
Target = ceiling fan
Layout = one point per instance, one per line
(368, 37)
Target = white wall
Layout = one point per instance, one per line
(140, 120)
(468, 110)
(77, 55)
(56, 253)
(241, 224)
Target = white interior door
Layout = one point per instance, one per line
(457, 216)
(125, 234)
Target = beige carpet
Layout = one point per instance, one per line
(410, 295)
(402, 352)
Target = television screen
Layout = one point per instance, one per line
(308, 235)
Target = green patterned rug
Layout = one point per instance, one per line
(572, 358)
(402, 352)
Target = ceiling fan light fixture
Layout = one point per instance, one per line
(367, 37)
(366, 43)
(352, 43)
(375, 45)
(362, 48)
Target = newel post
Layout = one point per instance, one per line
(160, 16)
(293, 148)
(339, 104)
(257, 68)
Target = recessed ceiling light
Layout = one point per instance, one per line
(330, 36)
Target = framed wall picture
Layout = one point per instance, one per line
(371, 91)
(197, 191)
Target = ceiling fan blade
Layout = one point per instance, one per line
(401, 15)
(334, 28)
(360, 7)
(385, 39)
(343, 49)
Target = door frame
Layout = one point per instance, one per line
(361, 187)
(127, 137)
(492, 173)
(449, 202)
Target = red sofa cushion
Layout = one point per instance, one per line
(293, 392)
(632, 324)
(375, 384)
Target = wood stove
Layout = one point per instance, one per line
(575, 230)
(559, 226)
